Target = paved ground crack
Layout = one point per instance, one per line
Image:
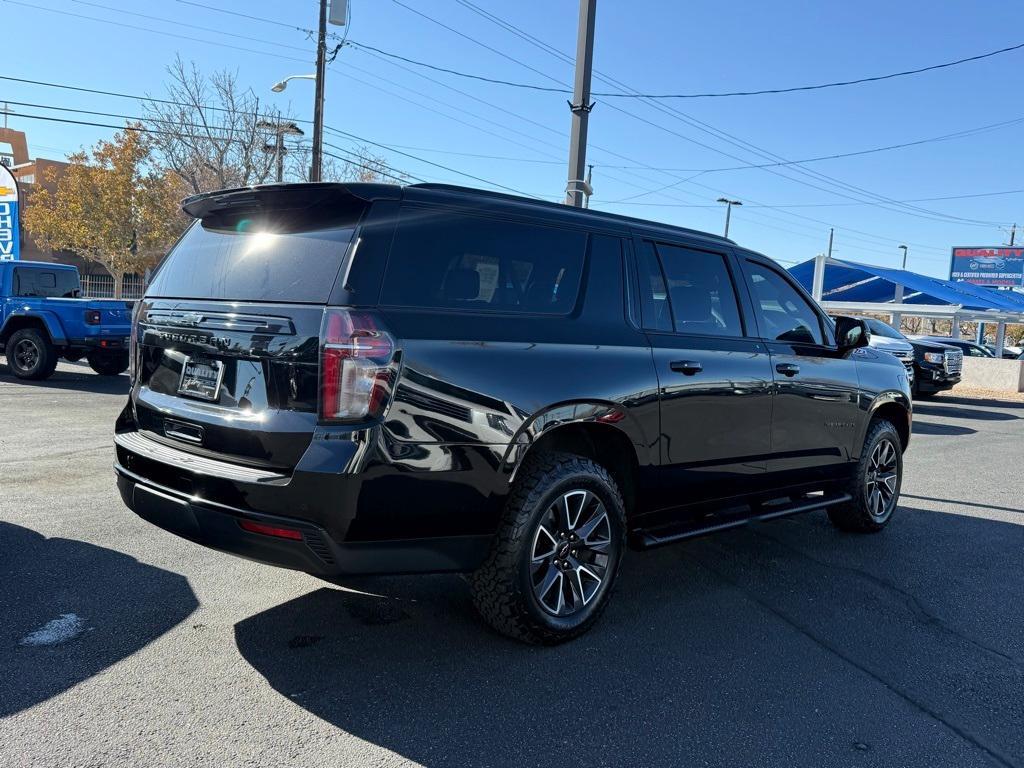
(911, 601)
(960, 731)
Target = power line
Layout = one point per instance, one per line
(134, 97)
(817, 205)
(709, 95)
(190, 26)
(881, 201)
(247, 16)
(154, 31)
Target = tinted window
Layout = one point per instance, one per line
(878, 328)
(701, 292)
(471, 263)
(56, 283)
(782, 313)
(653, 295)
(244, 259)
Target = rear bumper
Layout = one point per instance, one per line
(101, 342)
(218, 526)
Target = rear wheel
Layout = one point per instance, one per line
(108, 363)
(557, 553)
(875, 488)
(31, 355)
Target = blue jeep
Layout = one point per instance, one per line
(44, 318)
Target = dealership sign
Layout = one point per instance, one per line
(995, 266)
(9, 240)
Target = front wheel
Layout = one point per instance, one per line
(875, 488)
(30, 354)
(108, 363)
(557, 553)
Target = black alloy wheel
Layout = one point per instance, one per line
(572, 549)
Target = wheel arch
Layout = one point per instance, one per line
(44, 321)
(894, 407)
(604, 432)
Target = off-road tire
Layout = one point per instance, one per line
(108, 363)
(501, 588)
(855, 515)
(45, 356)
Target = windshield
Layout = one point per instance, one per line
(878, 328)
(245, 260)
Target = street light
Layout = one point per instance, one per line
(728, 211)
(318, 115)
(282, 84)
(904, 248)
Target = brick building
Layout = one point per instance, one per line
(32, 174)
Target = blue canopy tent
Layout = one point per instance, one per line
(849, 286)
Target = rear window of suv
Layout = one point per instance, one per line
(247, 259)
(447, 261)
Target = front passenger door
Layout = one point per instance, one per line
(817, 408)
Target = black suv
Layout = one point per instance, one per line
(938, 363)
(361, 379)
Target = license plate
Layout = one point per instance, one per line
(201, 378)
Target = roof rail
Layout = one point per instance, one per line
(456, 189)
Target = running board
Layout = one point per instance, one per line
(666, 534)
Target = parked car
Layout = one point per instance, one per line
(1009, 353)
(969, 348)
(937, 365)
(888, 339)
(43, 318)
(358, 378)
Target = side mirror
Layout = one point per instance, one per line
(851, 333)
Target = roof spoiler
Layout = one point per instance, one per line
(283, 196)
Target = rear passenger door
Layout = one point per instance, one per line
(816, 410)
(714, 379)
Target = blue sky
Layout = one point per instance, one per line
(648, 45)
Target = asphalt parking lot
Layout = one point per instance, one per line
(781, 644)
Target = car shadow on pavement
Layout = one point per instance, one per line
(69, 610)
(952, 412)
(1012, 405)
(784, 644)
(67, 376)
(931, 428)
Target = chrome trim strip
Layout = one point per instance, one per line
(200, 465)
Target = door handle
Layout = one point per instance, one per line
(686, 367)
(788, 369)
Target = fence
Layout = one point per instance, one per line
(102, 286)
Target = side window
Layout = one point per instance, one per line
(701, 292)
(466, 262)
(46, 283)
(653, 295)
(782, 313)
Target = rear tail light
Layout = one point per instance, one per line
(93, 317)
(357, 366)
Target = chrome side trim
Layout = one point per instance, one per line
(150, 449)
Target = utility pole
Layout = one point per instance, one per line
(1013, 229)
(316, 163)
(831, 233)
(281, 128)
(580, 105)
(728, 211)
